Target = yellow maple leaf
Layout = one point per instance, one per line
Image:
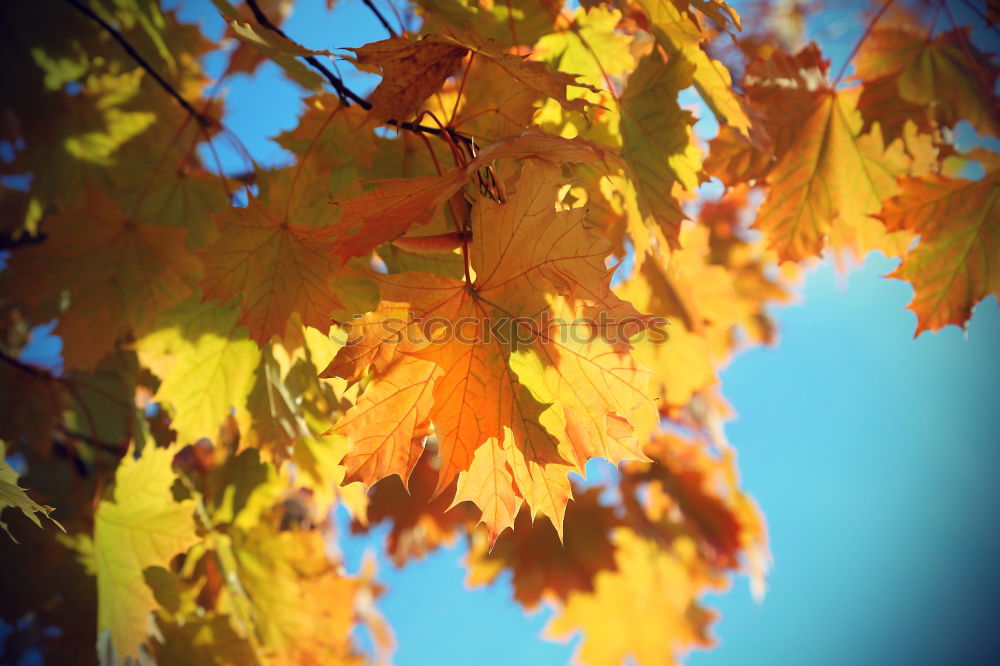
(656, 138)
(680, 35)
(646, 610)
(947, 73)
(206, 363)
(953, 266)
(140, 526)
(830, 182)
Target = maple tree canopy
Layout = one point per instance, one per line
(499, 264)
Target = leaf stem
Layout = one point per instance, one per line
(33, 370)
(857, 47)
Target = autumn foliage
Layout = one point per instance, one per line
(495, 267)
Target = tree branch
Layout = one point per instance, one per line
(34, 371)
(854, 51)
(346, 94)
(343, 91)
(202, 120)
(109, 447)
(378, 15)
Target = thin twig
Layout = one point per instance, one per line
(461, 88)
(973, 63)
(343, 91)
(346, 94)
(985, 19)
(27, 368)
(371, 5)
(109, 447)
(857, 47)
(202, 120)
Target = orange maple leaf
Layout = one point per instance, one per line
(119, 274)
(828, 179)
(395, 205)
(953, 266)
(512, 428)
(274, 267)
(412, 70)
(543, 566)
(947, 73)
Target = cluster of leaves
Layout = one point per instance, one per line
(242, 354)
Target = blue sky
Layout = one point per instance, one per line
(873, 456)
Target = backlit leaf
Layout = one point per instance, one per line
(656, 138)
(117, 273)
(275, 267)
(952, 267)
(948, 72)
(141, 526)
(205, 361)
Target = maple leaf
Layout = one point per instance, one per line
(959, 226)
(304, 609)
(530, 74)
(682, 361)
(881, 103)
(101, 404)
(272, 45)
(12, 495)
(484, 417)
(141, 526)
(656, 138)
(31, 405)
(388, 423)
(288, 405)
(332, 155)
(733, 159)
(592, 50)
(544, 566)
(395, 205)
(411, 72)
(206, 363)
(203, 641)
(948, 72)
(512, 22)
(710, 293)
(118, 273)
(85, 136)
(247, 57)
(646, 610)
(828, 179)
(486, 103)
(388, 210)
(275, 267)
(420, 523)
(178, 191)
(689, 490)
(680, 35)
